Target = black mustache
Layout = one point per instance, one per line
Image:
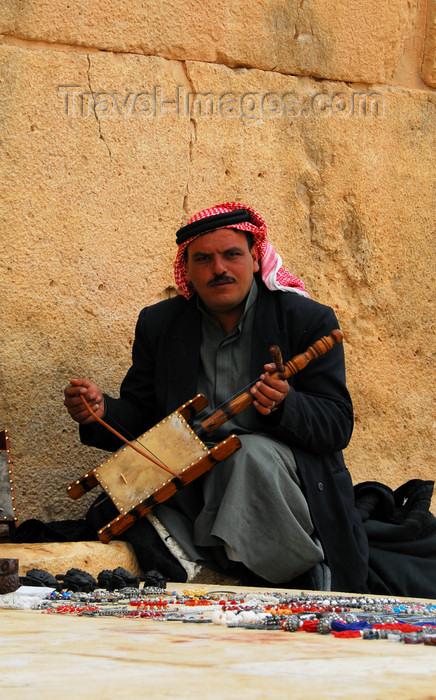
(220, 278)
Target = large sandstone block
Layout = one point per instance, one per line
(352, 41)
(59, 557)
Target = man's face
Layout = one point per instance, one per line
(220, 265)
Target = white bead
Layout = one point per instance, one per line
(219, 617)
(247, 616)
(231, 617)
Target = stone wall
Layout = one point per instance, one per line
(120, 119)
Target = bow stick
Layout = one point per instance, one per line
(121, 437)
(291, 367)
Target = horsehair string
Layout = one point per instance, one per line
(197, 424)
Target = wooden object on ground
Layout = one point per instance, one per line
(8, 575)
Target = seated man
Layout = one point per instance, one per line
(283, 504)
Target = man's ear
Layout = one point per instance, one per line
(187, 277)
(254, 255)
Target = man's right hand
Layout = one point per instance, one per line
(75, 406)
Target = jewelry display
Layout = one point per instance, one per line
(342, 616)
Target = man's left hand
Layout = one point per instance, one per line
(269, 391)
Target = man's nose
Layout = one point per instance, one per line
(218, 265)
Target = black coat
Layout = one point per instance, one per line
(315, 420)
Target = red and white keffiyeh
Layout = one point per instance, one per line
(272, 271)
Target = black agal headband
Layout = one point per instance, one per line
(210, 223)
